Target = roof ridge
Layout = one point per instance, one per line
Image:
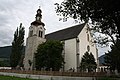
(67, 33)
(65, 28)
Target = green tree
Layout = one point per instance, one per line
(88, 62)
(17, 46)
(49, 56)
(104, 14)
(112, 58)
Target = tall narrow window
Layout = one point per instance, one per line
(31, 33)
(40, 34)
(88, 37)
(77, 53)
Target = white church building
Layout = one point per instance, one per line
(77, 40)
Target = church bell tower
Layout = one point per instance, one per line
(36, 36)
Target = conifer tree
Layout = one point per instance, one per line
(88, 62)
(17, 46)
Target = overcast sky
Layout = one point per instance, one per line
(14, 12)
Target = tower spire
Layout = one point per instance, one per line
(38, 18)
(38, 15)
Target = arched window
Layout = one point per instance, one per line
(88, 48)
(40, 34)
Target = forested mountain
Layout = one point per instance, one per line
(5, 55)
(5, 51)
(101, 59)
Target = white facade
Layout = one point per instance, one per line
(70, 54)
(76, 47)
(86, 40)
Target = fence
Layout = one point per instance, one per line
(58, 73)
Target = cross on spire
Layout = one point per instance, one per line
(39, 7)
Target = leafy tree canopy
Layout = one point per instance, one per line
(112, 58)
(104, 14)
(17, 46)
(49, 56)
(4, 63)
(88, 62)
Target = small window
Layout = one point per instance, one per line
(31, 33)
(40, 33)
(88, 48)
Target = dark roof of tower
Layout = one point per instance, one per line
(65, 34)
(39, 10)
(37, 23)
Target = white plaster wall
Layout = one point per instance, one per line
(70, 49)
(84, 43)
(70, 54)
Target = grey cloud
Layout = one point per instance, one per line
(6, 17)
(5, 37)
(13, 12)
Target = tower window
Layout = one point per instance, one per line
(40, 33)
(31, 33)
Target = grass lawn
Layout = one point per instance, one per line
(14, 78)
(107, 78)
